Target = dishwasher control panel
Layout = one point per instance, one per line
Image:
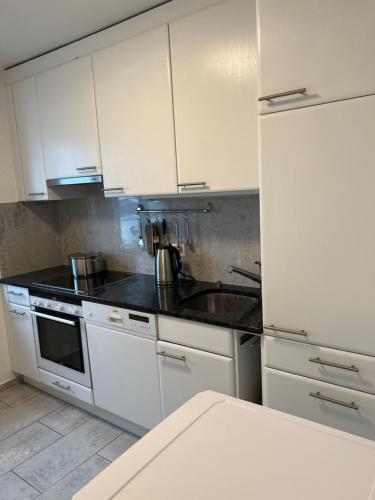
(119, 318)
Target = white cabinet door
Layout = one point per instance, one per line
(125, 375)
(317, 206)
(23, 342)
(29, 139)
(184, 372)
(135, 115)
(214, 68)
(68, 120)
(325, 47)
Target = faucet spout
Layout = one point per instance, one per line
(246, 274)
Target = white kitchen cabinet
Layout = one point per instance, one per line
(29, 139)
(184, 372)
(125, 375)
(68, 120)
(322, 46)
(317, 206)
(214, 69)
(24, 352)
(346, 409)
(135, 115)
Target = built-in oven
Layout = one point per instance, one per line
(61, 340)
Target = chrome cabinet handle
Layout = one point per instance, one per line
(172, 356)
(86, 169)
(192, 185)
(13, 311)
(282, 94)
(113, 190)
(58, 384)
(319, 361)
(36, 194)
(303, 333)
(53, 318)
(17, 294)
(318, 395)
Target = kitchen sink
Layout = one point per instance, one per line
(221, 302)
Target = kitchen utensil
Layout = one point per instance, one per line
(141, 243)
(167, 265)
(85, 264)
(150, 239)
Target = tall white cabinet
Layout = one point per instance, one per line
(325, 47)
(214, 70)
(68, 120)
(29, 139)
(135, 114)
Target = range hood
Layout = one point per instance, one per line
(73, 181)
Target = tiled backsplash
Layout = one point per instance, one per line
(38, 235)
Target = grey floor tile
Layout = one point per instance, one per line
(77, 479)
(49, 466)
(25, 444)
(65, 419)
(118, 446)
(17, 393)
(13, 419)
(13, 487)
(3, 406)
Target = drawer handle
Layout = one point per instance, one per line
(13, 311)
(17, 294)
(351, 405)
(172, 356)
(36, 194)
(283, 94)
(303, 333)
(61, 386)
(319, 361)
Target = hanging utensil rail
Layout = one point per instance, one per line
(141, 210)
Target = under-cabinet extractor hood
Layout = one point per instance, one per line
(71, 181)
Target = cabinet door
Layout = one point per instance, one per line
(29, 139)
(215, 98)
(23, 342)
(135, 115)
(317, 206)
(125, 375)
(68, 120)
(322, 46)
(184, 372)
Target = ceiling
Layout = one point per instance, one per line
(31, 27)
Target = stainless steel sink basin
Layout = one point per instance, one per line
(221, 303)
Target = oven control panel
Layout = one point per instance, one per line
(55, 305)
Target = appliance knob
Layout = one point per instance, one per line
(61, 307)
(41, 303)
(76, 311)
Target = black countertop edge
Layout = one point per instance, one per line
(140, 293)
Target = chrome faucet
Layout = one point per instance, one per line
(246, 274)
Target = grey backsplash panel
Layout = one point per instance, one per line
(29, 237)
(230, 234)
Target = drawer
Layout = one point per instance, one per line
(329, 365)
(345, 409)
(67, 386)
(201, 336)
(18, 295)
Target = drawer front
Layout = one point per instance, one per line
(67, 386)
(201, 336)
(329, 365)
(18, 295)
(345, 409)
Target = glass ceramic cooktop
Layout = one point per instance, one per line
(67, 281)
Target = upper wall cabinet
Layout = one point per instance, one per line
(68, 120)
(29, 139)
(214, 66)
(135, 115)
(325, 47)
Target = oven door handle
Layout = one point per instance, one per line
(53, 318)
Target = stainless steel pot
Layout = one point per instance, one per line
(85, 264)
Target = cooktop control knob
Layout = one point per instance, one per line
(60, 307)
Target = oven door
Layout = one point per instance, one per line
(61, 345)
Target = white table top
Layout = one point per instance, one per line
(217, 447)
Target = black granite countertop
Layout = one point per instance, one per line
(140, 293)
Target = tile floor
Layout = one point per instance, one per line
(50, 449)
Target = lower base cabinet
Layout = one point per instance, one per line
(125, 375)
(185, 371)
(345, 409)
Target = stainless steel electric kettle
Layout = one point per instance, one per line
(167, 265)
